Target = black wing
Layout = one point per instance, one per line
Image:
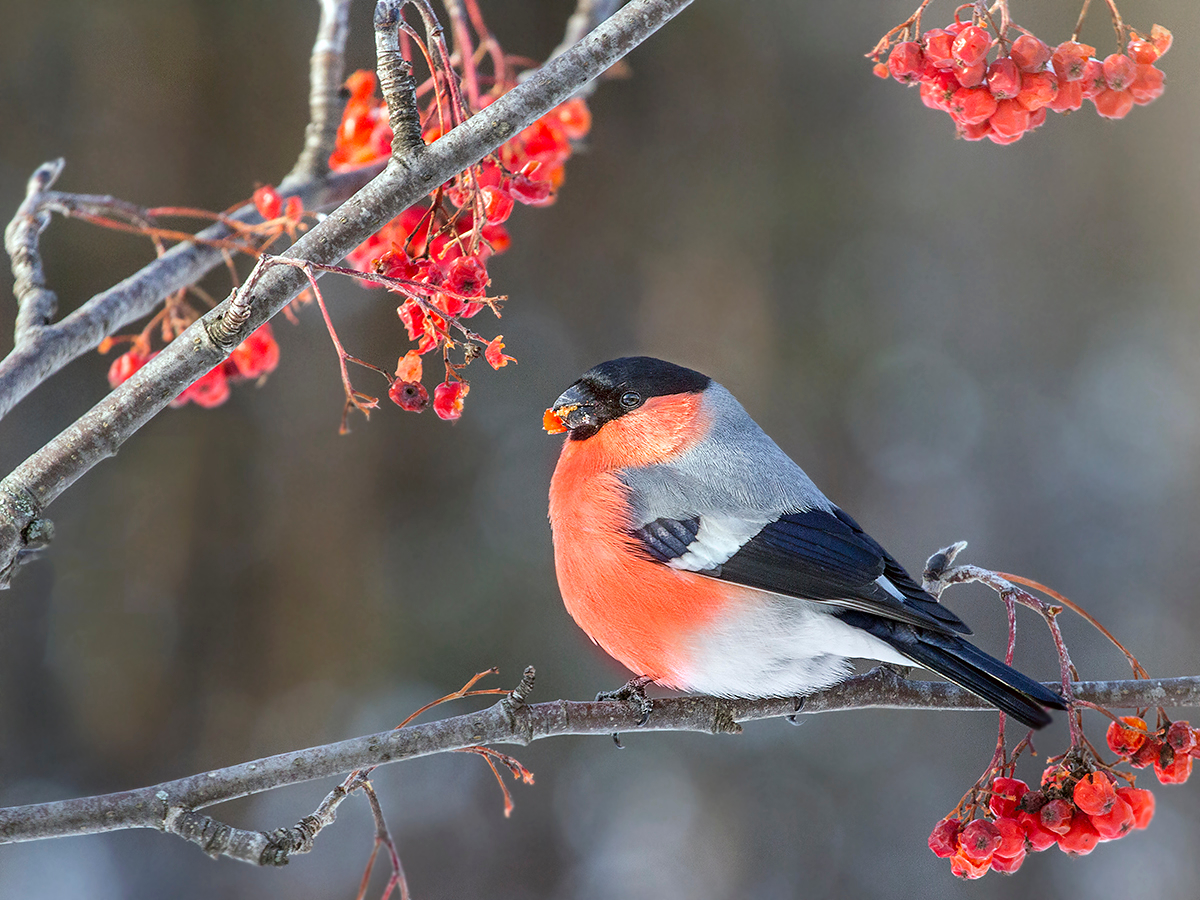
(812, 555)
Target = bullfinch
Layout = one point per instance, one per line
(699, 555)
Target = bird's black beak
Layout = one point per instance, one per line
(576, 409)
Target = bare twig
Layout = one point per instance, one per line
(162, 804)
(36, 304)
(29, 489)
(325, 74)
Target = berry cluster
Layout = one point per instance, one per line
(435, 253)
(254, 358)
(1003, 95)
(1075, 808)
(1170, 750)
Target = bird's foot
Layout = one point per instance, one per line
(633, 692)
(799, 706)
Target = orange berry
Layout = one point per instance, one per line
(1161, 39)
(972, 106)
(1069, 97)
(1069, 59)
(1004, 79)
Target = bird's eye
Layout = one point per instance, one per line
(631, 399)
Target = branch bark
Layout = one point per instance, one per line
(172, 806)
(32, 486)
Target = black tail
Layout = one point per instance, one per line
(967, 666)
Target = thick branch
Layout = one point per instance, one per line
(36, 304)
(95, 436)
(163, 805)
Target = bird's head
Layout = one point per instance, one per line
(616, 388)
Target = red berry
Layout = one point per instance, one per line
(467, 276)
(1147, 86)
(257, 355)
(1006, 793)
(497, 204)
(1095, 794)
(939, 45)
(1161, 39)
(1004, 79)
(528, 190)
(1093, 79)
(448, 399)
(1037, 119)
(997, 138)
(1069, 60)
(268, 202)
(1115, 823)
(125, 365)
(1037, 89)
(1141, 802)
(943, 840)
(906, 61)
(1007, 864)
(1038, 835)
(1056, 816)
(1113, 104)
(1125, 737)
(979, 840)
(1012, 837)
(211, 389)
(1010, 120)
(937, 91)
(1119, 71)
(1029, 53)
(1142, 51)
(1069, 97)
(972, 106)
(971, 46)
(574, 117)
(974, 132)
(1176, 771)
(409, 395)
(1148, 754)
(962, 866)
(1080, 839)
(971, 76)
(1180, 737)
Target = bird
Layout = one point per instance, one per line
(694, 551)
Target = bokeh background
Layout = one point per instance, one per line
(958, 341)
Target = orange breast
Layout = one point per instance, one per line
(640, 611)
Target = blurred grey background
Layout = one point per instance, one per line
(957, 341)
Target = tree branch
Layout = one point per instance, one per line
(172, 805)
(32, 486)
(326, 71)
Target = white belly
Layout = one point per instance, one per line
(777, 646)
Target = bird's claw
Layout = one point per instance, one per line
(633, 692)
(799, 706)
